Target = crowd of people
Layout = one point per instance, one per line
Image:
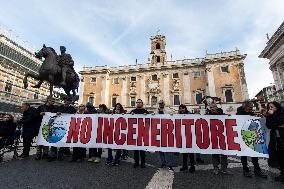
(32, 118)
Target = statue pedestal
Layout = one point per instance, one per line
(37, 102)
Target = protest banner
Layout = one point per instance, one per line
(205, 134)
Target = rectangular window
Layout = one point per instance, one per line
(198, 98)
(113, 102)
(155, 77)
(225, 69)
(93, 79)
(196, 74)
(229, 95)
(132, 101)
(133, 78)
(175, 75)
(91, 99)
(115, 80)
(176, 100)
(8, 87)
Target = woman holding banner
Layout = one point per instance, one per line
(118, 109)
(275, 122)
(96, 153)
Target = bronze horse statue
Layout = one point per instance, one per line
(51, 71)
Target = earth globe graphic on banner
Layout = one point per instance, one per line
(53, 131)
(254, 136)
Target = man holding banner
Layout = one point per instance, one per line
(139, 110)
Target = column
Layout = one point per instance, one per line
(142, 88)
(103, 92)
(81, 89)
(211, 83)
(166, 89)
(123, 92)
(186, 88)
(107, 103)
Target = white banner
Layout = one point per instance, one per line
(205, 134)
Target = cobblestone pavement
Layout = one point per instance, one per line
(28, 173)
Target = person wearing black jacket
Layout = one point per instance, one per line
(48, 106)
(217, 158)
(30, 128)
(247, 109)
(139, 110)
(183, 110)
(275, 122)
(7, 129)
(66, 108)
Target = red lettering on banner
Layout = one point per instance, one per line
(86, 130)
(154, 132)
(120, 124)
(178, 133)
(217, 136)
(202, 133)
(108, 130)
(231, 134)
(73, 130)
(99, 130)
(143, 131)
(188, 134)
(167, 136)
(131, 131)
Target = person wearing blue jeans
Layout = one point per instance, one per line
(118, 109)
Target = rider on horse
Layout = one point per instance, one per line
(66, 63)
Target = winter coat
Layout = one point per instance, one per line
(29, 121)
(7, 128)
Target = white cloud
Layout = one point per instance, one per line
(117, 32)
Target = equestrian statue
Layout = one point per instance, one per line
(57, 70)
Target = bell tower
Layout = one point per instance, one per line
(158, 49)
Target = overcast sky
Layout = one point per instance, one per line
(117, 32)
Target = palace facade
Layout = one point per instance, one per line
(177, 82)
(274, 51)
(15, 61)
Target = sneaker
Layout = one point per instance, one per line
(247, 174)
(216, 171)
(97, 160)
(92, 159)
(171, 169)
(115, 163)
(279, 178)
(260, 174)
(225, 172)
(183, 168)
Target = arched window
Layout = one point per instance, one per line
(158, 46)
(229, 95)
